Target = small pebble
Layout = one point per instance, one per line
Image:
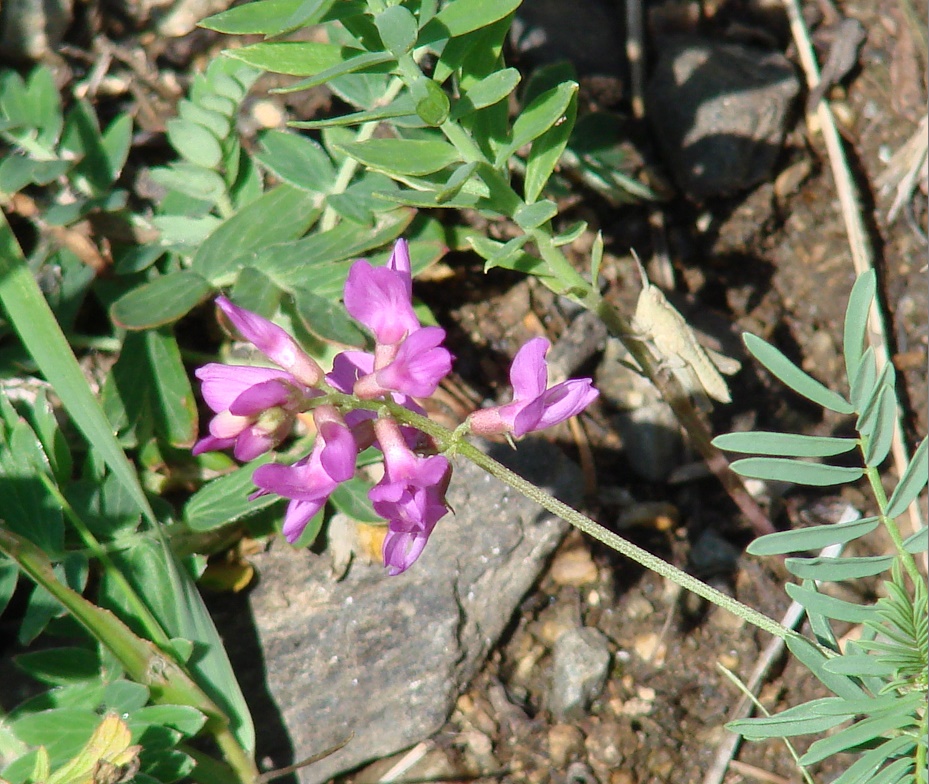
(580, 666)
(565, 743)
(574, 567)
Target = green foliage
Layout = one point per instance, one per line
(881, 680)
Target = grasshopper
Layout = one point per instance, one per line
(673, 343)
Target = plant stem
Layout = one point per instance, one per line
(453, 443)
(906, 559)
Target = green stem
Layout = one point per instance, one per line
(906, 559)
(451, 442)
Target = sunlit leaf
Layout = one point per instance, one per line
(837, 569)
(225, 500)
(856, 320)
(787, 444)
(837, 609)
(545, 112)
(885, 421)
(784, 470)
(814, 538)
(403, 156)
(463, 16)
(296, 58)
(800, 720)
(161, 301)
(794, 377)
(912, 482)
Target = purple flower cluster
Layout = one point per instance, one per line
(255, 408)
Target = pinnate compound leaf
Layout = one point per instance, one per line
(366, 63)
(327, 319)
(813, 538)
(863, 770)
(912, 482)
(351, 497)
(856, 320)
(153, 388)
(398, 29)
(802, 473)
(531, 216)
(402, 156)
(837, 609)
(161, 301)
(403, 106)
(786, 444)
(269, 17)
(863, 383)
(837, 569)
(191, 180)
(858, 734)
(914, 543)
(794, 377)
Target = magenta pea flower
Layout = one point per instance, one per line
(255, 408)
(381, 298)
(273, 342)
(416, 369)
(309, 482)
(411, 496)
(535, 405)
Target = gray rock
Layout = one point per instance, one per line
(720, 111)
(385, 657)
(580, 666)
(649, 430)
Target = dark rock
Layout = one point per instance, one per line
(580, 666)
(385, 657)
(720, 111)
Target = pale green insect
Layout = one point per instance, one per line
(674, 344)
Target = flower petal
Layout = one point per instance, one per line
(298, 515)
(379, 298)
(565, 400)
(529, 371)
(420, 364)
(260, 397)
(222, 384)
(273, 342)
(348, 367)
(401, 549)
(399, 262)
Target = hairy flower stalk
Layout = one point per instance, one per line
(255, 408)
